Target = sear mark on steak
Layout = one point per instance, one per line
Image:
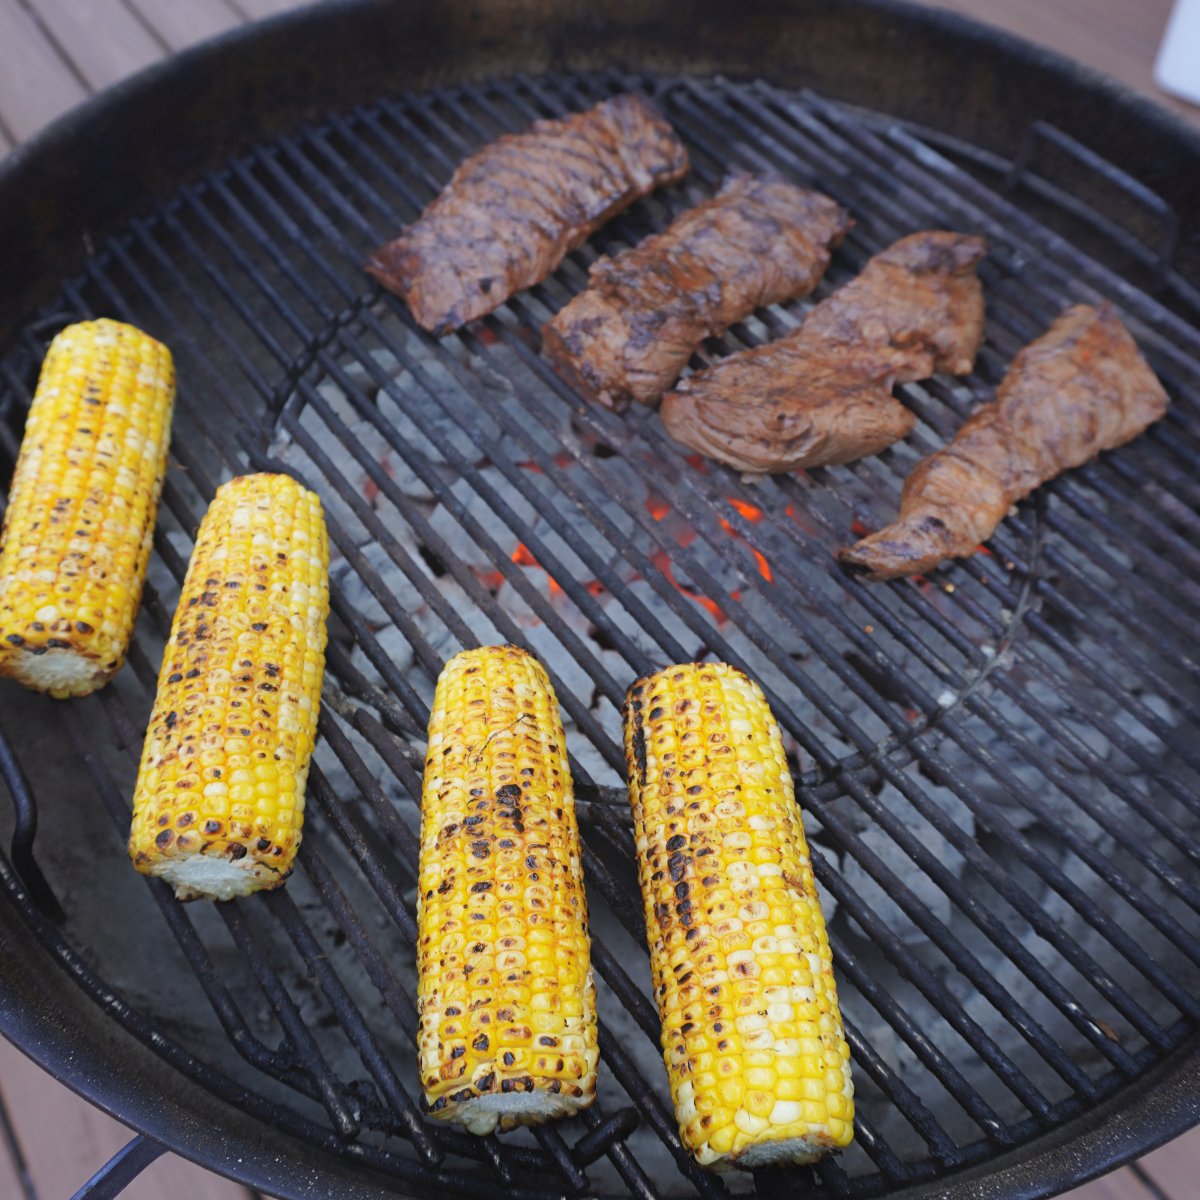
(513, 210)
(823, 394)
(645, 311)
(1082, 387)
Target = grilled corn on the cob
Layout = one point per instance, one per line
(506, 998)
(220, 794)
(751, 1032)
(81, 512)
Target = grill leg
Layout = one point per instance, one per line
(121, 1170)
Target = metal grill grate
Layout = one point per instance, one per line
(998, 765)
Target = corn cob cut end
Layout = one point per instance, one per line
(202, 877)
(752, 1038)
(81, 513)
(61, 671)
(219, 804)
(507, 1000)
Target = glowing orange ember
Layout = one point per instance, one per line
(751, 512)
(523, 557)
(529, 465)
(764, 567)
(698, 461)
(656, 506)
(489, 337)
(859, 529)
(492, 580)
(663, 562)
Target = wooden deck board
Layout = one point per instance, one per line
(104, 40)
(36, 85)
(65, 1141)
(183, 24)
(1176, 1167)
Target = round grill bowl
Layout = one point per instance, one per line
(997, 764)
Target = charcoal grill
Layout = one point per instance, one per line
(998, 763)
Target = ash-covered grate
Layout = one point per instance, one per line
(997, 764)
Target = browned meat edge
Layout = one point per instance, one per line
(1081, 388)
(512, 211)
(823, 394)
(631, 332)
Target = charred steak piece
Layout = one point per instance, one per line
(512, 211)
(1082, 387)
(631, 333)
(823, 394)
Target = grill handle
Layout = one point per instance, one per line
(1162, 251)
(25, 823)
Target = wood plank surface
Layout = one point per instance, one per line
(102, 38)
(1118, 37)
(181, 23)
(65, 1141)
(1175, 1169)
(36, 83)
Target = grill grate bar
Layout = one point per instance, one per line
(246, 235)
(926, 213)
(1065, 1062)
(326, 1087)
(266, 1060)
(886, 190)
(332, 1095)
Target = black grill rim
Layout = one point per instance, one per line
(1132, 1121)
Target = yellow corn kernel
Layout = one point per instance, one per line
(80, 519)
(506, 998)
(730, 903)
(220, 794)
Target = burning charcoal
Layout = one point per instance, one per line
(354, 590)
(644, 638)
(395, 647)
(567, 672)
(444, 643)
(463, 545)
(927, 893)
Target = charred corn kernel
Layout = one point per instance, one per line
(738, 949)
(220, 793)
(506, 998)
(76, 535)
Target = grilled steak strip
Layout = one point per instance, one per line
(823, 394)
(512, 211)
(1082, 387)
(631, 333)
